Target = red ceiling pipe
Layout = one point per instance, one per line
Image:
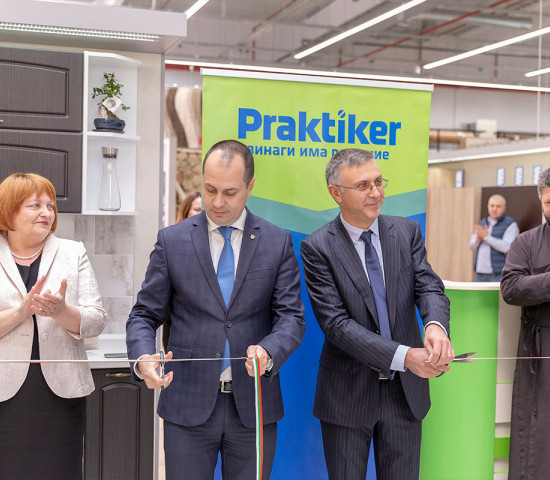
(424, 32)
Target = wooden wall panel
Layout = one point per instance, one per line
(522, 204)
(450, 217)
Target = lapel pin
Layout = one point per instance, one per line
(252, 237)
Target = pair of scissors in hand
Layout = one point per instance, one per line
(465, 358)
(161, 373)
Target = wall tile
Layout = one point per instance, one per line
(78, 227)
(114, 274)
(114, 235)
(118, 309)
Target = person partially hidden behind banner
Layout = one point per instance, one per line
(491, 240)
(526, 283)
(364, 274)
(42, 406)
(231, 283)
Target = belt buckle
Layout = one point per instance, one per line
(226, 387)
(381, 376)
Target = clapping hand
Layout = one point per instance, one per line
(47, 304)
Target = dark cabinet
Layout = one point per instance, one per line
(41, 112)
(56, 156)
(41, 89)
(119, 435)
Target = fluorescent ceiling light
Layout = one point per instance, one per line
(358, 28)
(361, 76)
(22, 27)
(534, 73)
(89, 20)
(507, 153)
(488, 48)
(195, 8)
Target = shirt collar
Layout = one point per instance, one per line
(238, 224)
(355, 233)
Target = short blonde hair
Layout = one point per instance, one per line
(15, 189)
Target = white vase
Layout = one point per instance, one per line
(109, 191)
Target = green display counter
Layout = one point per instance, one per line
(458, 434)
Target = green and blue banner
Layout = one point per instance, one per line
(293, 125)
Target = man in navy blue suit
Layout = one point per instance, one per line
(365, 272)
(230, 282)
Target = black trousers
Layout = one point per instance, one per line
(396, 434)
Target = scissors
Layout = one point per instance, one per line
(163, 386)
(465, 358)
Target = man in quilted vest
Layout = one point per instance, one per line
(491, 240)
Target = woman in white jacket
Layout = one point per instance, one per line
(49, 302)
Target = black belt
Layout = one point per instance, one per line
(226, 387)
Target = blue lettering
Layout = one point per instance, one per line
(244, 125)
(326, 125)
(358, 132)
(303, 152)
(386, 155)
(377, 155)
(394, 126)
(268, 120)
(307, 128)
(341, 131)
(313, 152)
(378, 130)
(290, 151)
(286, 130)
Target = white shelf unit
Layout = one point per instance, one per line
(126, 71)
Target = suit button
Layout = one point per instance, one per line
(228, 324)
(218, 355)
(44, 336)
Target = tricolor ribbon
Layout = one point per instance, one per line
(259, 419)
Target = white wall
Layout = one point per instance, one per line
(453, 107)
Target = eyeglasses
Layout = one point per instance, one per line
(379, 184)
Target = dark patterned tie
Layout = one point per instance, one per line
(377, 284)
(226, 279)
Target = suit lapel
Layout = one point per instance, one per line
(392, 262)
(48, 254)
(201, 243)
(251, 238)
(344, 250)
(9, 266)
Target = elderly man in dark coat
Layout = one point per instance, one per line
(526, 282)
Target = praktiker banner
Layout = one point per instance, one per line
(294, 124)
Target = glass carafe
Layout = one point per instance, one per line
(109, 192)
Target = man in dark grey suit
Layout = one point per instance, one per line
(230, 282)
(364, 274)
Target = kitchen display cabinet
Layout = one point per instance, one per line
(41, 119)
(126, 72)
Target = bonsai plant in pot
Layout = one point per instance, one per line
(109, 102)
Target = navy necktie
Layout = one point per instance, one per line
(377, 284)
(226, 279)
